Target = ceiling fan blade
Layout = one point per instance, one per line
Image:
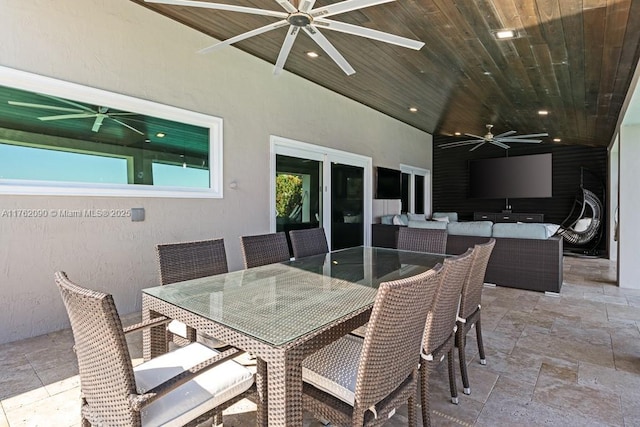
(122, 114)
(45, 107)
(511, 132)
(220, 6)
(368, 33)
(474, 136)
(68, 116)
(306, 5)
(66, 101)
(478, 146)
(329, 49)
(126, 125)
(531, 135)
(286, 48)
(244, 36)
(98, 122)
(531, 141)
(286, 5)
(344, 6)
(500, 144)
(460, 143)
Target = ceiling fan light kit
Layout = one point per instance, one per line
(497, 140)
(305, 17)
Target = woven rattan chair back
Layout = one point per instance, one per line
(472, 289)
(422, 240)
(441, 320)
(191, 260)
(106, 374)
(312, 241)
(264, 249)
(394, 335)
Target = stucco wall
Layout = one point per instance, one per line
(628, 266)
(122, 47)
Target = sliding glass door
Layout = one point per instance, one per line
(315, 186)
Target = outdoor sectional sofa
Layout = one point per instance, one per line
(525, 256)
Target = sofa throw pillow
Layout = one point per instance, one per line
(453, 216)
(416, 217)
(398, 220)
(441, 219)
(387, 219)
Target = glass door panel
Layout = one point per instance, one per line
(347, 206)
(298, 193)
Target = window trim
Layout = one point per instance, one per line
(77, 92)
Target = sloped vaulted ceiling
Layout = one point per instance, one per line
(574, 58)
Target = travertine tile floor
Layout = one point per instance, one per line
(572, 360)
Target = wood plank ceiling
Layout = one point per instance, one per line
(574, 58)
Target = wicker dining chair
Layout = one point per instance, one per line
(264, 249)
(440, 329)
(185, 261)
(184, 387)
(470, 306)
(355, 381)
(422, 240)
(311, 241)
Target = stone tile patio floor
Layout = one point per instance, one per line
(572, 360)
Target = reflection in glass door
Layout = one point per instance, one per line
(298, 193)
(347, 206)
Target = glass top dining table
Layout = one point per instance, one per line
(283, 312)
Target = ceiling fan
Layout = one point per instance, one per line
(497, 140)
(300, 14)
(79, 112)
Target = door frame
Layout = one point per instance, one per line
(304, 150)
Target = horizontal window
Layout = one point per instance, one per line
(61, 138)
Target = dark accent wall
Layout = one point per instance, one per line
(451, 179)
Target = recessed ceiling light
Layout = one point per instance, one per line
(413, 109)
(505, 34)
(312, 54)
(556, 140)
(161, 134)
(457, 133)
(543, 112)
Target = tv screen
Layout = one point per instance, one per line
(511, 177)
(388, 183)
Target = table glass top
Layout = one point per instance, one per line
(279, 303)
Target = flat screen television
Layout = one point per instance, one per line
(511, 177)
(388, 183)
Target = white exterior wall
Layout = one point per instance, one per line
(629, 244)
(119, 46)
(614, 159)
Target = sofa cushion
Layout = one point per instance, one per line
(453, 216)
(402, 219)
(520, 231)
(433, 225)
(416, 217)
(471, 228)
(386, 219)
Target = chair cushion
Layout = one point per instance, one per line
(520, 231)
(208, 390)
(471, 228)
(453, 216)
(333, 369)
(433, 225)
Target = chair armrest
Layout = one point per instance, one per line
(138, 401)
(157, 321)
